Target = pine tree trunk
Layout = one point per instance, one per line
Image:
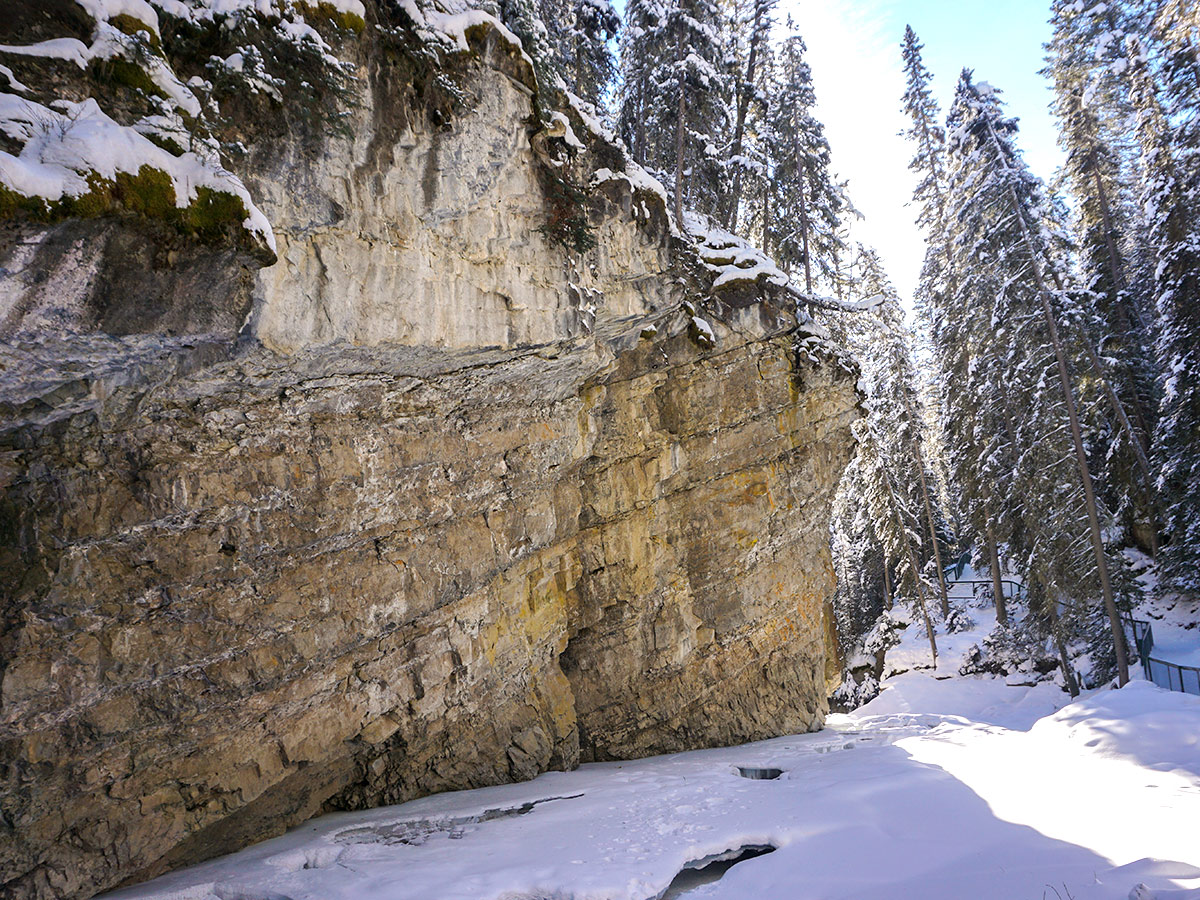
(766, 236)
(1137, 437)
(997, 584)
(639, 152)
(1061, 646)
(800, 187)
(937, 553)
(680, 126)
(1085, 475)
(887, 584)
(1117, 273)
(1139, 451)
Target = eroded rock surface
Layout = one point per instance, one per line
(249, 589)
(457, 507)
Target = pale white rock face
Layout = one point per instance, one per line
(433, 240)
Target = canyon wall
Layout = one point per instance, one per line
(432, 502)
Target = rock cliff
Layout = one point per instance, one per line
(432, 502)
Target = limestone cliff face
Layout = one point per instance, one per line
(420, 235)
(457, 507)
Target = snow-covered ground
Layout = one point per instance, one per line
(938, 790)
(1175, 619)
(913, 652)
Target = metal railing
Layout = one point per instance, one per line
(1013, 592)
(1169, 675)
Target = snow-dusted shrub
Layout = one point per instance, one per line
(855, 690)
(1020, 647)
(958, 620)
(884, 634)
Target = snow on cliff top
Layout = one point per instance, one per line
(65, 146)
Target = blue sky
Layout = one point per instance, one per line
(1003, 42)
(854, 49)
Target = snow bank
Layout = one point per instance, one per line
(976, 699)
(1153, 727)
(900, 801)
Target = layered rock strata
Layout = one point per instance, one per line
(456, 507)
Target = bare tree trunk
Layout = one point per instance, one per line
(887, 584)
(997, 584)
(1085, 475)
(639, 152)
(743, 106)
(804, 226)
(937, 553)
(1117, 272)
(679, 129)
(766, 237)
(1135, 440)
(1061, 646)
(800, 187)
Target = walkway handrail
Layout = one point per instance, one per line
(1017, 587)
(1169, 675)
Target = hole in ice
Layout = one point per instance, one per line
(416, 832)
(760, 773)
(709, 869)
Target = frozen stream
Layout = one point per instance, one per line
(996, 795)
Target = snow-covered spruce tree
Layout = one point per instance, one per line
(929, 140)
(593, 67)
(750, 35)
(896, 394)
(676, 98)
(891, 480)
(1171, 197)
(578, 34)
(639, 120)
(755, 163)
(1087, 64)
(941, 320)
(977, 427)
(806, 202)
(1009, 252)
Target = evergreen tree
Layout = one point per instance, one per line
(1009, 250)
(806, 202)
(640, 117)
(581, 32)
(749, 99)
(1171, 197)
(890, 472)
(596, 24)
(675, 103)
(929, 139)
(1092, 103)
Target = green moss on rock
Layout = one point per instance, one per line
(213, 217)
(316, 13)
(134, 27)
